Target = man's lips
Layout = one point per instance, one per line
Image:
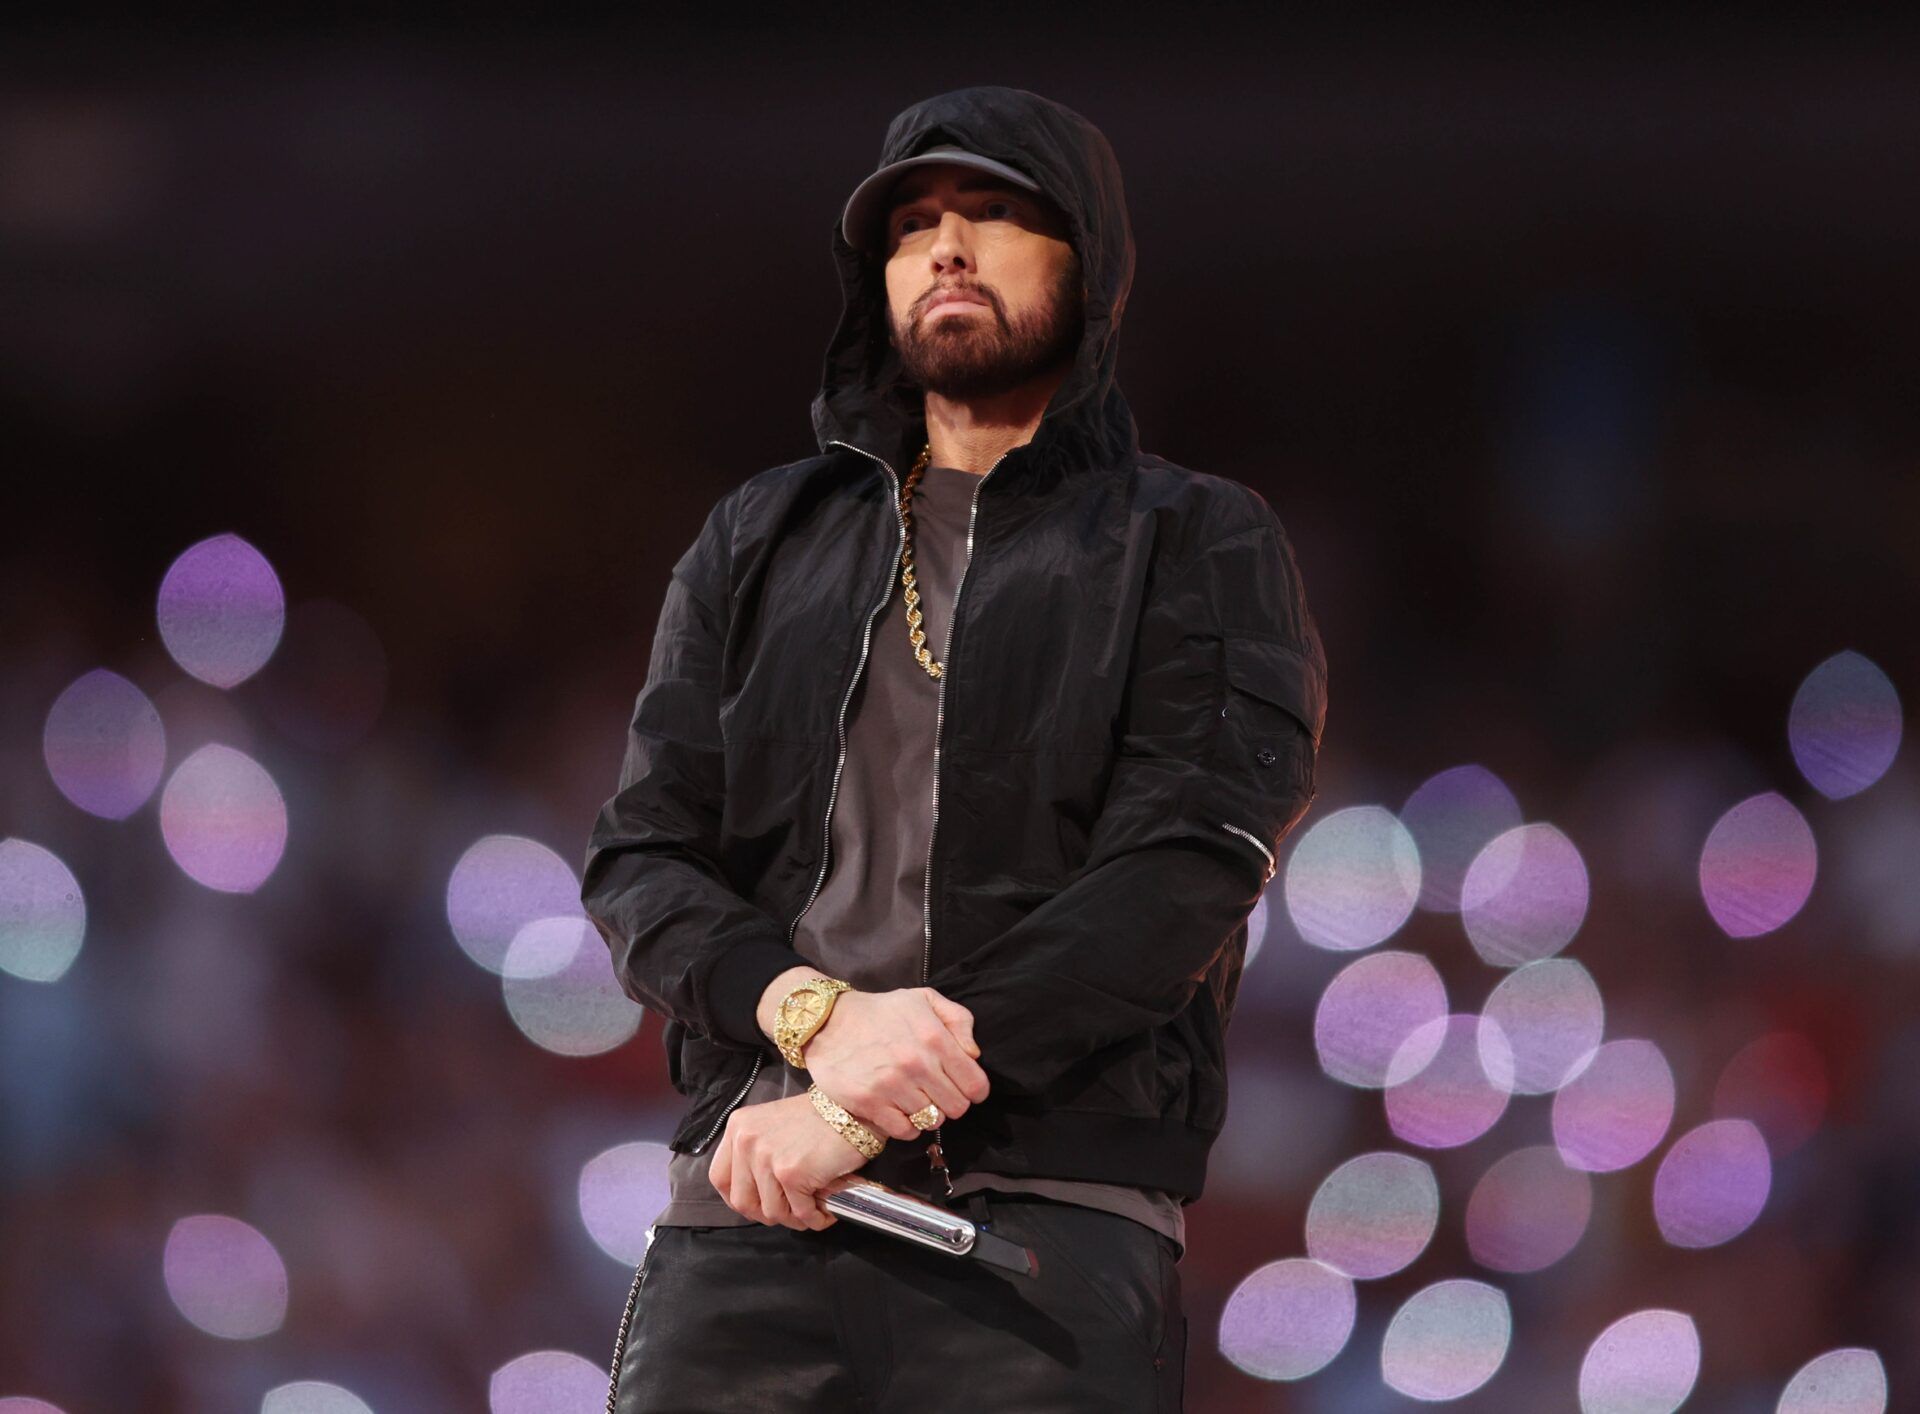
(958, 297)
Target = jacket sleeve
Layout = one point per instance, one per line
(1218, 744)
(684, 941)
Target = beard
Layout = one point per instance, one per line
(967, 357)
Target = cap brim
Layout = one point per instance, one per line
(869, 200)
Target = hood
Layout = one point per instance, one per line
(862, 399)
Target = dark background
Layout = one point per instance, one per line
(1579, 365)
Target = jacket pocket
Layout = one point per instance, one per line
(1266, 742)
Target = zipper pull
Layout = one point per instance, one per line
(939, 1162)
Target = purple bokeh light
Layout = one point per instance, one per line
(1462, 1089)
(1369, 1011)
(1757, 866)
(1844, 726)
(1451, 817)
(1615, 1111)
(104, 744)
(1528, 1211)
(225, 1277)
(1524, 896)
(221, 610)
(1712, 1184)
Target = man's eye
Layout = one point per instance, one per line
(1008, 205)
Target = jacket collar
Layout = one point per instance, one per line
(1088, 425)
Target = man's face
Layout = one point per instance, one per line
(957, 230)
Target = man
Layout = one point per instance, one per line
(974, 735)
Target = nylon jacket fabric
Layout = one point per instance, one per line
(1134, 697)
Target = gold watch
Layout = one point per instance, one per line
(803, 1011)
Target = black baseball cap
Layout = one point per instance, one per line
(869, 201)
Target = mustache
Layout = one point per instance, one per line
(940, 292)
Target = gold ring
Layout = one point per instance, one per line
(927, 1117)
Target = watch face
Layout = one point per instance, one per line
(805, 1005)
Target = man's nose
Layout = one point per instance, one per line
(953, 242)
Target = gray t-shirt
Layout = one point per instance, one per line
(866, 926)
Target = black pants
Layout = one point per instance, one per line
(764, 1319)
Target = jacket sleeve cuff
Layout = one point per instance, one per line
(739, 978)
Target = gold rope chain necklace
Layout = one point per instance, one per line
(909, 590)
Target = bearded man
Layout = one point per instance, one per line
(964, 753)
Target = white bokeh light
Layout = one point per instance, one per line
(1645, 1363)
(312, 1397)
(547, 1382)
(622, 1190)
(561, 992)
(1848, 1381)
(1287, 1319)
(224, 820)
(1373, 1215)
(1447, 1340)
(43, 914)
(500, 884)
(1353, 879)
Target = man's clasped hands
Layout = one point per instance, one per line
(880, 1056)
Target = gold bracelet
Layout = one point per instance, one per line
(849, 1128)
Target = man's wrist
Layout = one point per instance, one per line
(768, 1011)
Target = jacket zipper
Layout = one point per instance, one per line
(1256, 844)
(826, 826)
(936, 1152)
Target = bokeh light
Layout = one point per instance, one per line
(561, 992)
(312, 1397)
(1352, 880)
(328, 681)
(224, 819)
(225, 1277)
(1370, 1010)
(43, 914)
(1778, 1081)
(1461, 1090)
(1373, 1215)
(221, 610)
(547, 1382)
(1849, 1381)
(22, 1404)
(1614, 1112)
(1757, 866)
(1451, 817)
(1645, 1363)
(1447, 1340)
(1528, 1211)
(501, 884)
(1844, 726)
(622, 1190)
(1550, 1016)
(1712, 1184)
(104, 744)
(1524, 896)
(1287, 1319)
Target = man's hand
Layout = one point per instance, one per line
(883, 1055)
(775, 1156)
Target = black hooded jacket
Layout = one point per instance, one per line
(1128, 724)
